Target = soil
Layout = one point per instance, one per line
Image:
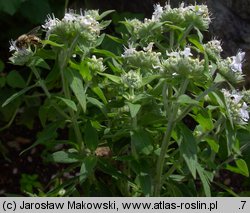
(13, 165)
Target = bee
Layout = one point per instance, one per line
(24, 41)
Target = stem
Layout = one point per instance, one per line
(160, 161)
(171, 40)
(187, 31)
(66, 4)
(133, 123)
(72, 114)
(64, 56)
(10, 121)
(167, 136)
(40, 81)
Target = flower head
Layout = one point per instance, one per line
(181, 64)
(21, 56)
(132, 79)
(72, 24)
(96, 64)
(213, 49)
(238, 109)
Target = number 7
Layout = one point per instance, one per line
(243, 203)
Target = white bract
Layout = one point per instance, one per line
(158, 10)
(236, 64)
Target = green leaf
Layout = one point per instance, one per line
(113, 78)
(174, 27)
(99, 40)
(185, 99)
(204, 118)
(52, 43)
(91, 136)
(104, 53)
(97, 103)
(15, 80)
(71, 104)
(200, 35)
(117, 40)
(47, 134)
(76, 85)
(142, 142)
(146, 80)
(15, 95)
(83, 69)
(134, 109)
(145, 183)
(241, 167)
(107, 167)
(97, 90)
(87, 167)
(105, 14)
(69, 156)
(204, 180)
(231, 138)
(241, 164)
(213, 144)
(38, 62)
(188, 149)
(194, 40)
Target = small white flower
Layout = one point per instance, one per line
(128, 51)
(236, 98)
(13, 46)
(149, 47)
(186, 52)
(167, 6)
(173, 54)
(158, 10)
(69, 17)
(50, 22)
(243, 112)
(236, 65)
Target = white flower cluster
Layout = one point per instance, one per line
(20, 55)
(198, 14)
(146, 60)
(231, 67)
(213, 48)
(132, 79)
(181, 63)
(73, 23)
(238, 109)
(96, 64)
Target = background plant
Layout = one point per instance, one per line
(133, 104)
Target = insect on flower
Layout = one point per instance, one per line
(25, 40)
